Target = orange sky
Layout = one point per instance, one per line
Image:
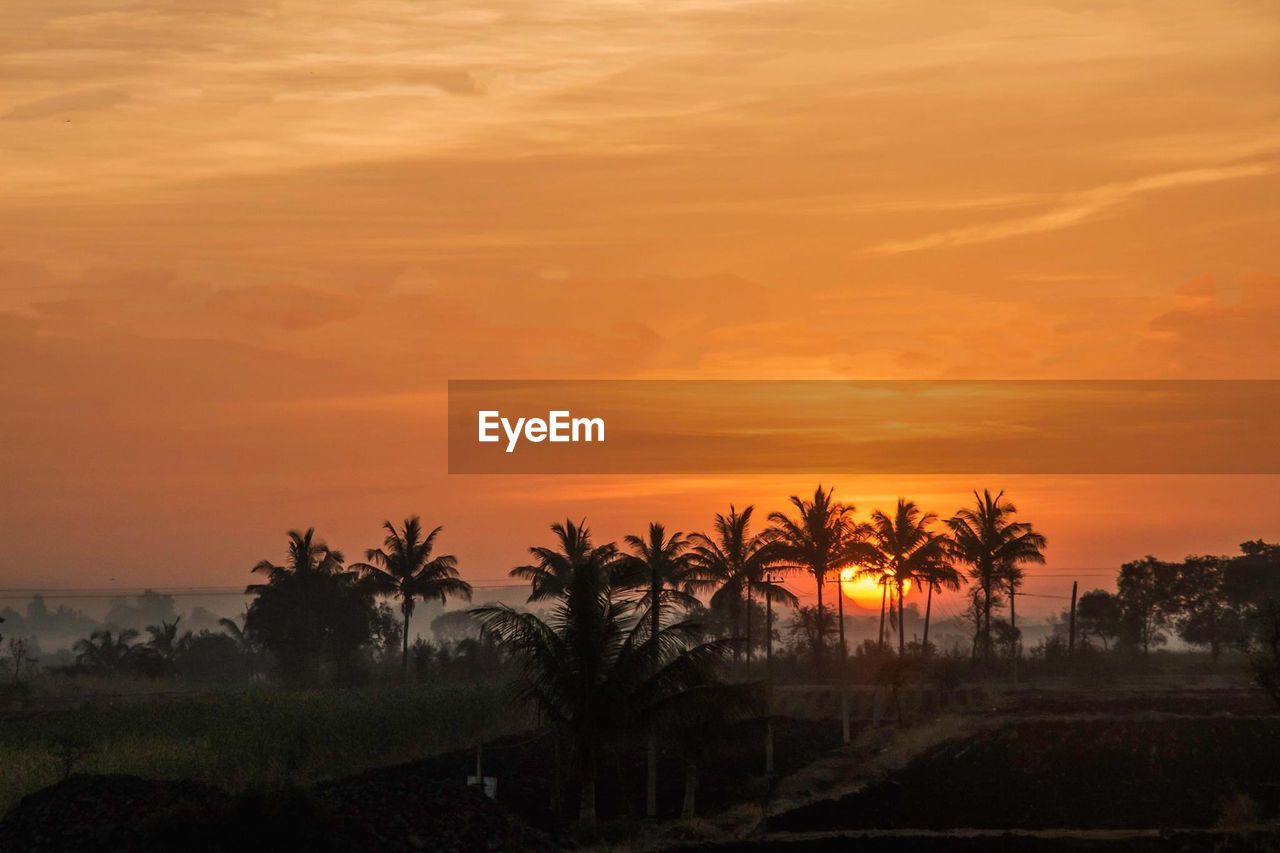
(243, 245)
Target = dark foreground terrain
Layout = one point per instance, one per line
(1057, 769)
(1083, 773)
(422, 805)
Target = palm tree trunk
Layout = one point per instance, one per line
(404, 652)
(587, 797)
(821, 636)
(928, 610)
(651, 782)
(844, 648)
(690, 789)
(557, 776)
(748, 626)
(1013, 627)
(902, 622)
(735, 619)
(986, 624)
(768, 632)
(884, 597)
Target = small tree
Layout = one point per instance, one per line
(1202, 612)
(1253, 583)
(1145, 588)
(1099, 614)
(20, 655)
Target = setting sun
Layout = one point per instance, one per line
(864, 591)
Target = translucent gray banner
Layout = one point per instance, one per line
(864, 427)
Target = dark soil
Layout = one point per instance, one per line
(1082, 773)
(112, 812)
(1183, 841)
(374, 811)
(1118, 701)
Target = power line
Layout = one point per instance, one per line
(184, 592)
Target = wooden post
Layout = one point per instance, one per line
(1071, 631)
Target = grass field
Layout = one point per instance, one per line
(240, 739)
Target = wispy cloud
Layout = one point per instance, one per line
(70, 102)
(1073, 208)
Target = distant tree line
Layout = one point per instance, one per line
(1213, 602)
(316, 618)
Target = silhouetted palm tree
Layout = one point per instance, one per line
(729, 561)
(404, 568)
(593, 667)
(106, 651)
(311, 610)
(245, 643)
(552, 570)
(988, 539)
(663, 566)
(936, 578)
(236, 631)
(817, 541)
(164, 639)
(905, 550)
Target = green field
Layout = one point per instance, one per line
(247, 738)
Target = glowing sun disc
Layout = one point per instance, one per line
(864, 591)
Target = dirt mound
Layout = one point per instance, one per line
(1085, 774)
(382, 810)
(114, 812)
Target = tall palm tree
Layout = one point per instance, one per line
(592, 666)
(817, 541)
(552, 572)
(663, 566)
(993, 544)
(729, 561)
(904, 550)
(404, 568)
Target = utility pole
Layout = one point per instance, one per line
(1071, 631)
(844, 661)
(768, 675)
